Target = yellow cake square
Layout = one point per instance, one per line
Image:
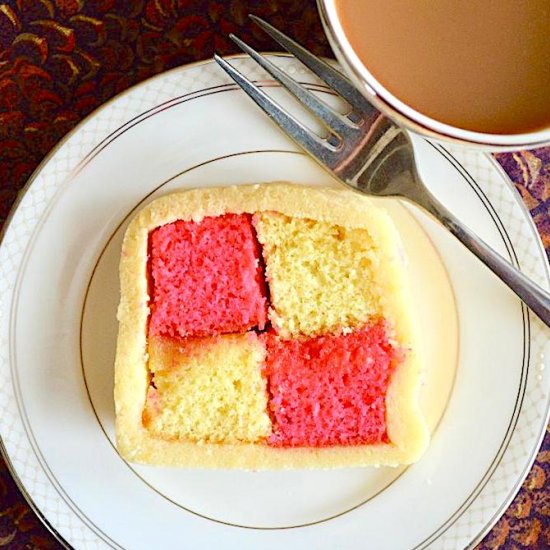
(208, 389)
(321, 275)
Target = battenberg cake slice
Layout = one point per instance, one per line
(266, 326)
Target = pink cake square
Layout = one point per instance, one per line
(206, 278)
(329, 390)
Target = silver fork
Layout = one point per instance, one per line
(368, 152)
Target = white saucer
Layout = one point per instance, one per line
(192, 127)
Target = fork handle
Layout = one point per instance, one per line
(535, 297)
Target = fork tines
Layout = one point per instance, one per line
(343, 126)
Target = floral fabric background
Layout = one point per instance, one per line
(60, 59)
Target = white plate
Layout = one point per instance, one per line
(192, 127)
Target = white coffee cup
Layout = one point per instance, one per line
(404, 115)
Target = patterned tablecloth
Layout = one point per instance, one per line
(60, 59)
